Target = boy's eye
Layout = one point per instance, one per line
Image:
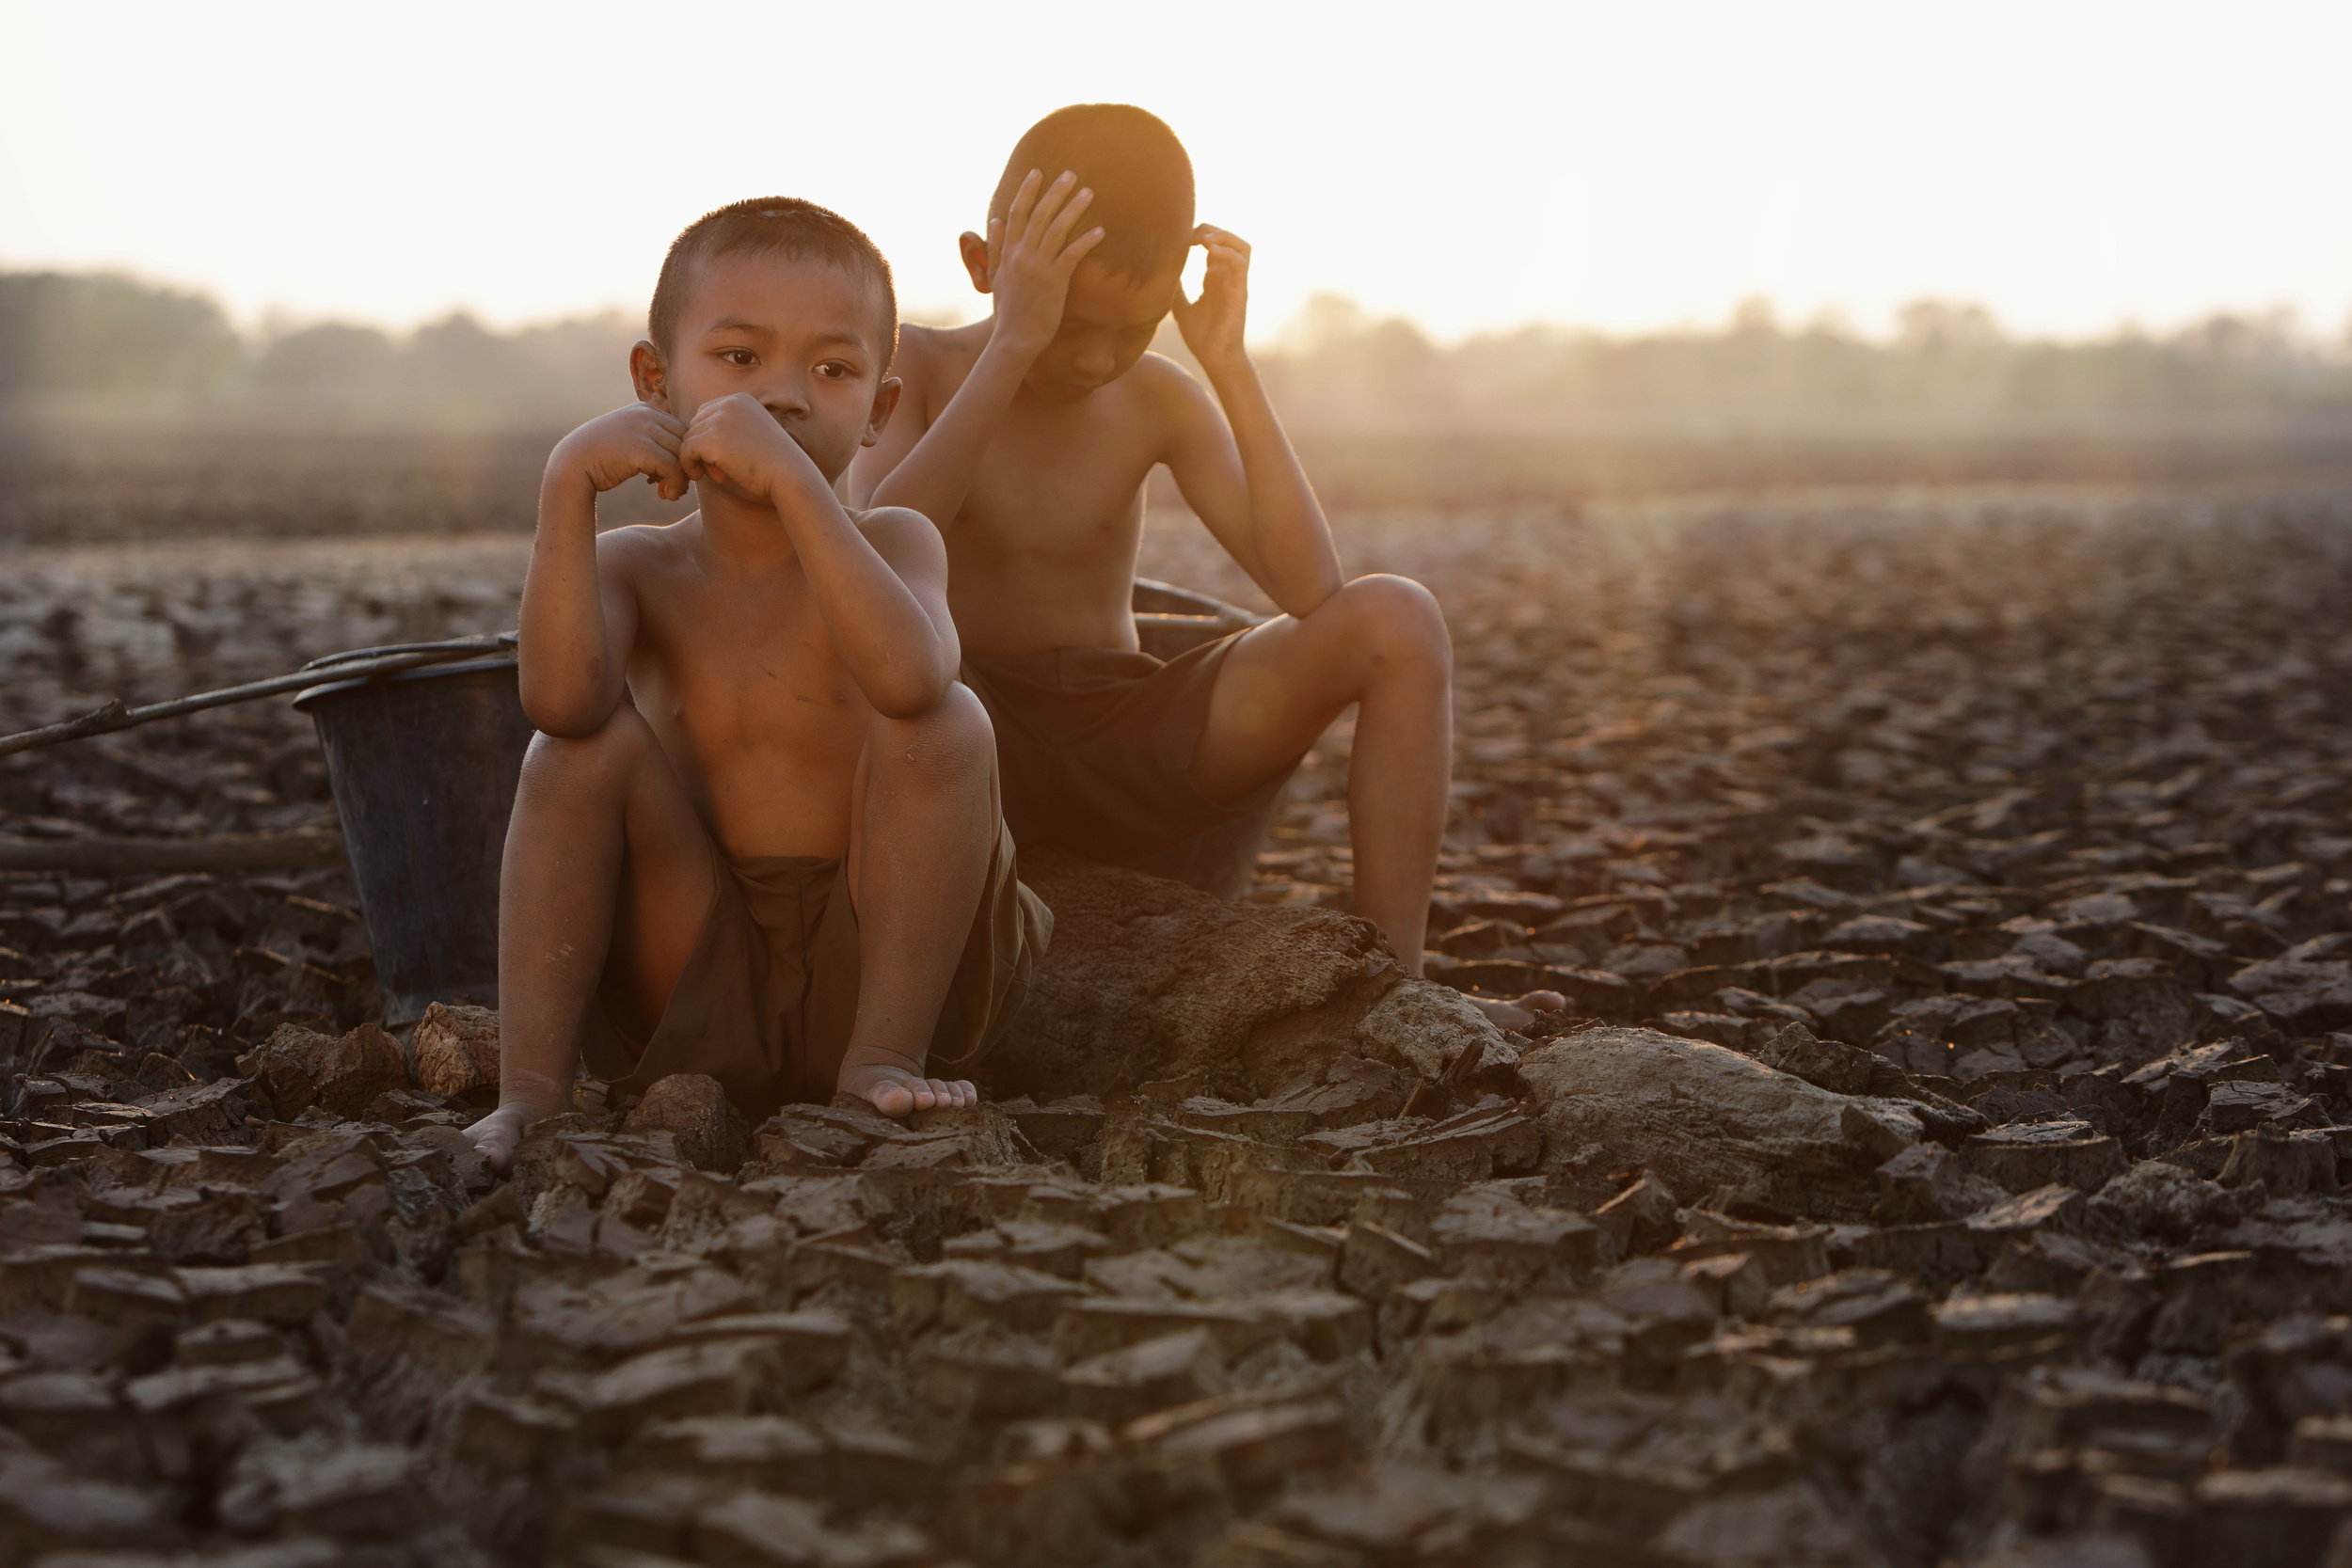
(741, 358)
(835, 370)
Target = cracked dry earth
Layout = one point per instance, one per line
(1939, 1161)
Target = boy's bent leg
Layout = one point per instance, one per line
(605, 863)
(924, 825)
(1379, 642)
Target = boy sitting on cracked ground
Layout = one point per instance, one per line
(758, 836)
(1028, 438)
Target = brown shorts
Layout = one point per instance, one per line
(1094, 748)
(767, 999)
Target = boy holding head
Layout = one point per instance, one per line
(757, 834)
(1028, 438)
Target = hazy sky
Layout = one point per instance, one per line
(2071, 163)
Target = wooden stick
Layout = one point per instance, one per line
(114, 716)
(226, 852)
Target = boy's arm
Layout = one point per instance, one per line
(1238, 473)
(579, 616)
(894, 637)
(1031, 257)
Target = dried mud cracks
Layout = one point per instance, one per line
(1911, 1182)
(1443, 1295)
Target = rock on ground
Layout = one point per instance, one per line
(1702, 1118)
(1148, 979)
(457, 1049)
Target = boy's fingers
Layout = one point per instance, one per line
(1058, 232)
(1051, 202)
(1017, 216)
(661, 468)
(1068, 260)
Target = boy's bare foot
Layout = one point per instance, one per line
(496, 1135)
(1520, 1010)
(896, 1092)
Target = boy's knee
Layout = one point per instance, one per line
(1400, 620)
(951, 744)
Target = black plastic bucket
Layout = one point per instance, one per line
(423, 765)
(1170, 620)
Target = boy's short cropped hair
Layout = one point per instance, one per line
(1138, 171)
(770, 226)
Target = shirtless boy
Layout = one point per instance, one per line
(1028, 438)
(757, 834)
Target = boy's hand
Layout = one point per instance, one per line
(736, 441)
(1031, 259)
(614, 448)
(1211, 324)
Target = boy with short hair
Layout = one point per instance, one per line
(757, 834)
(1028, 438)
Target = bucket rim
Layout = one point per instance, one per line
(311, 694)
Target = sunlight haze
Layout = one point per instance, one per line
(2072, 166)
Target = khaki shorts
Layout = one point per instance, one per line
(1094, 748)
(766, 999)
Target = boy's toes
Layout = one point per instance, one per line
(494, 1138)
(887, 1089)
(1544, 1002)
(896, 1092)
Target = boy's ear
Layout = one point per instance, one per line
(974, 252)
(885, 404)
(652, 377)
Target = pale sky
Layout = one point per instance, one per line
(2069, 163)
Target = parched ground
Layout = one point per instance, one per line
(2004, 830)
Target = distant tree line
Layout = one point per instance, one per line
(80, 341)
(1947, 364)
(90, 342)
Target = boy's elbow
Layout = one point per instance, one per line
(566, 715)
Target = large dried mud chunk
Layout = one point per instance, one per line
(1704, 1118)
(710, 1134)
(457, 1049)
(299, 1067)
(1148, 980)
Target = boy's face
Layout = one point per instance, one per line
(799, 335)
(1108, 320)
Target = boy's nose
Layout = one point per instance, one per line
(786, 398)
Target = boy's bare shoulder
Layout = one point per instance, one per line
(1168, 393)
(644, 546)
(926, 352)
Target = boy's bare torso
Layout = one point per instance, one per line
(1042, 555)
(739, 679)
